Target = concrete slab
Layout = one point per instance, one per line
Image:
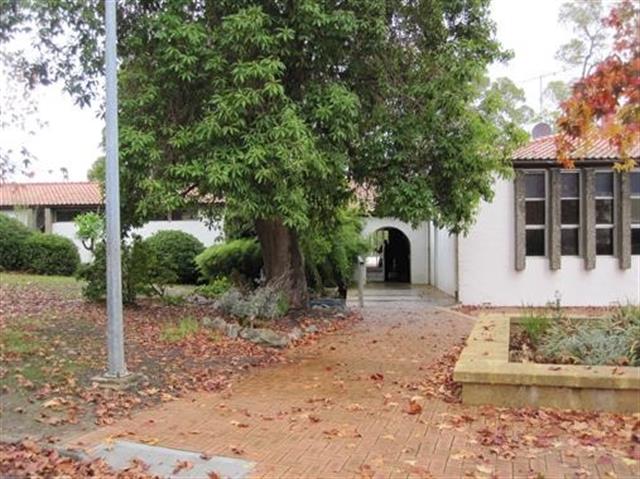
(162, 461)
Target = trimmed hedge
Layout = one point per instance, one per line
(237, 257)
(13, 234)
(51, 254)
(177, 251)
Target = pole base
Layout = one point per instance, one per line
(119, 383)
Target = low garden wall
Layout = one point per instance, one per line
(488, 377)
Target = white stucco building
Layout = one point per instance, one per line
(548, 233)
(52, 208)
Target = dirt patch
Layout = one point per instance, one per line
(53, 344)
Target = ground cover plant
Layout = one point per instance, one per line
(552, 337)
(52, 343)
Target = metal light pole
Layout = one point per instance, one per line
(115, 336)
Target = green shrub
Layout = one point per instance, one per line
(535, 325)
(610, 341)
(142, 272)
(241, 257)
(90, 228)
(177, 251)
(13, 235)
(263, 303)
(331, 253)
(51, 254)
(215, 289)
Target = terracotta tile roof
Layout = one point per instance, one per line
(85, 193)
(544, 148)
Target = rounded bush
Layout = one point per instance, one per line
(51, 254)
(13, 235)
(177, 251)
(241, 256)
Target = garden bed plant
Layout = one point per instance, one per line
(550, 336)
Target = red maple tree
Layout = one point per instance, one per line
(605, 104)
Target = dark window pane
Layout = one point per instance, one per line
(635, 183)
(635, 210)
(535, 212)
(570, 212)
(604, 211)
(67, 215)
(569, 243)
(604, 184)
(535, 243)
(570, 185)
(604, 241)
(535, 185)
(635, 241)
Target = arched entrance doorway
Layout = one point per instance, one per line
(390, 260)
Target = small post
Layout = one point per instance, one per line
(115, 335)
(362, 273)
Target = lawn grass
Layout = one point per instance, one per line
(172, 333)
(16, 342)
(67, 287)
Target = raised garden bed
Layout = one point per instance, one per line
(489, 377)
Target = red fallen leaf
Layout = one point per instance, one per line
(377, 377)
(239, 424)
(236, 450)
(213, 475)
(182, 465)
(313, 418)
(365, 471)
(414, 406)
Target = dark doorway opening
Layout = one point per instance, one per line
(390, 260)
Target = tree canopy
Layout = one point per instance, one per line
(281, 108)
(605, 104)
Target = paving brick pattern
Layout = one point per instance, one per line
(337, 410)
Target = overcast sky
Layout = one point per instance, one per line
(528, 27)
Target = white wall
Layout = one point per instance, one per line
(487, 267)
(24, 215)
(418, 239)
(197, 228)
(444, 269)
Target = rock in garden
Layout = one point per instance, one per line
(249, 334)
(273, 339)
(296, 334)
(311, 329)
(217, 324)
(265, 336)
(232, 330)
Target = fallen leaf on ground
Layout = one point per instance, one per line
(414, 406)
(182, 466)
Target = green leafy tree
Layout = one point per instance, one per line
(96, 170)
(279, 108)
(503, 104)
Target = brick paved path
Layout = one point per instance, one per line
(330, 414)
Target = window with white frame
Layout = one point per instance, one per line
(605, 212)
(570, 213)
(535, 213)
(635, 212)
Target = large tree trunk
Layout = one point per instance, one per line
(283, 260)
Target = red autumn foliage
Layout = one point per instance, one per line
(605, 104)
